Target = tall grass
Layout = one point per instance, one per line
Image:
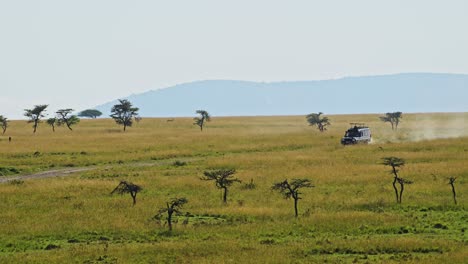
(349, 216)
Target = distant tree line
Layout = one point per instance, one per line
(63, 117)
(123, 113)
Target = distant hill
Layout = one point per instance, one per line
(409, 92)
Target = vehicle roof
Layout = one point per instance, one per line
(358, 125)
(358, 128)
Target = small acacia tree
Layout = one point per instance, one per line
(52, 122)
(393, 118)
(200, 120)
(402, 183)
(123, 113)
(127, 187)
(316, 119)
(396, 164)
(223, 178)
(64, 116)
(452, 183)
(4, 123)
(173, 206)
(291, 190)
(35, 115)
(90, 113)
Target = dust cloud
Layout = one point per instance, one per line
(425, 127)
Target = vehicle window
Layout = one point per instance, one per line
(352, 133)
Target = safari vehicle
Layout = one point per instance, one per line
(358, 134)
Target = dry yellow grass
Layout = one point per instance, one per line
(350, 214)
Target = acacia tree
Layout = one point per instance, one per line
(35, 115)
(64, 117)
(291, 189)
(200, 120)
(396, 164)
(173, 206)
(123, 113)
(452, 183)
(4, 123)
(91, 113)
(52, 122)
(223, 178)
(402, 183)
(316, 119)
(127, 187)
(393, 119)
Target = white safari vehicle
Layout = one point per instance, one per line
(357, 134)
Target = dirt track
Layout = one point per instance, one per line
(70, 171)
(46, 174)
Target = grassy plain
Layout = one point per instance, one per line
(350, 215)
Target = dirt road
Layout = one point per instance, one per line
(70, 171)
(46, 174)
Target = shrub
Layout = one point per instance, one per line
(179, 163)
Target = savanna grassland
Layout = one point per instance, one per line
(349, 216)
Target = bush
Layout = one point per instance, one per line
(51, 246)
(5, 171)
(179, 163)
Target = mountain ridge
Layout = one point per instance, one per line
(406, 92)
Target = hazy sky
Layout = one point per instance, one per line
(86, 52)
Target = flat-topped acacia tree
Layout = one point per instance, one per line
(223, 179)
(127, 187)
(35, 115)
(123, 113)
(90, 113)
(291, 190)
